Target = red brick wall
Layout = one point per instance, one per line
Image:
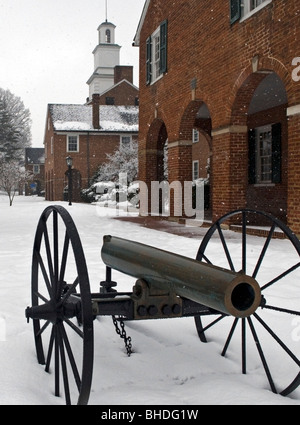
(223, 59)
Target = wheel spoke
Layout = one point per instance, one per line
(244, 241)
(56, 361)
(71, 357)
(44, 273)
(74, 327)
(277, 339)
(63, 264)
(229, 337)
(262, 357)
(282, 310)
(70, 291)
(48, 252)
(282, 275)
(50, 350)
(225, 247)
(244, 368)
(40, 296)
(43, 328)
(263, 252)
(63, 366)
(55, 251)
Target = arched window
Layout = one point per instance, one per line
(107, 35)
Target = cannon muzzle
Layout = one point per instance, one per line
(229, 292)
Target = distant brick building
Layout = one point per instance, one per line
(89, 132)
(86, 133)
(35, 164)
(227, 68)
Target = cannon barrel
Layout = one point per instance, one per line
(229, 292)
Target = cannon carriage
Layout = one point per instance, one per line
(167, 285)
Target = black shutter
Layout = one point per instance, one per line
(235, 10)
(148, 60)
(251, 157)
(276, 153)
(163, 46)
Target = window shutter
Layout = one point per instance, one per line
(276, 153)
(235, 10)
(252, 157)
(163, 46)
(148, 60)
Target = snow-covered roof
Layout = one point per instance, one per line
(80, 118)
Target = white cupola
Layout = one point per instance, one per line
(106, 57)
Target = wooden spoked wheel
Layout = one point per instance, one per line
(61, 306)
(273, 331)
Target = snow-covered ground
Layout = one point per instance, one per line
(169, 365)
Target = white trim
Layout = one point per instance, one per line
(67, 140)
(248, 13)
(293, 110)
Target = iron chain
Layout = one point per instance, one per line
(122, 333)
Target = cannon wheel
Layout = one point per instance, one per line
(266, 323)
(68, 346)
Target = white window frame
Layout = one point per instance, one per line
(195, 163)
(77, 141)
(155, 55)
(51, 145)
(195, 135)
(246, 10)
(123, 136)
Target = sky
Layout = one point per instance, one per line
(46, 49)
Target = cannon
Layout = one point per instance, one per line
(167, 285)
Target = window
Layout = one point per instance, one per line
(36, 169)
(107, 36)
(195, 170)
(244, 8)
(51, 145)
(110, 100)
(125, 141)
(195, 135)
(72, 144)
(156, 54)
(265, 154)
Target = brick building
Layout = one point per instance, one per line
(35, 164)
(229, 69)
(88, 132)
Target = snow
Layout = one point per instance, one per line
(79, 118)
(169, 364)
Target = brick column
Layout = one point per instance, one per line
(229, 169)
(293, 203)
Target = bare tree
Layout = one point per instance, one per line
(12, 176)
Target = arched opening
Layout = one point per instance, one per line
(257, 146)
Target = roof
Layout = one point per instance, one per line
(34, 155)
(136, 41)
(79, 118)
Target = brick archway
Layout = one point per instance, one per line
(234, 188)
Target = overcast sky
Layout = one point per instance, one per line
(46, 49)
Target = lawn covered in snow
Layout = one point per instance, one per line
(169, 364)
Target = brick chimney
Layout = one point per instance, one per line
(123, 72)
(96, 111)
